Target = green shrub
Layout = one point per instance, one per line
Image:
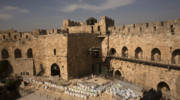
(12, 84)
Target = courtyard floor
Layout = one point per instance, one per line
(45, 92)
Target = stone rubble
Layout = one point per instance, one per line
(118, 90)
(86, 89)
(47, 84)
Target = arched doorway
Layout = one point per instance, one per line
(55, 70)
(165, 90)
(117, 74)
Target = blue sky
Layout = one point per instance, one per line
(26, 15)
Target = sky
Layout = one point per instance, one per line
(27, 15)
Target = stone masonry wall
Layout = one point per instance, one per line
(147, 39)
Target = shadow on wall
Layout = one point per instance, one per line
(84, 54)
(42, 70)
(5, 69)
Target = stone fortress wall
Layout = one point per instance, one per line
(35, 52)
(145, 54)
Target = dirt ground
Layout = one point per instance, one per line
(61, 96)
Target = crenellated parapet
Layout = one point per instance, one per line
(16, 36)
(171, 27)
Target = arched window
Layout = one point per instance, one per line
(112, 51)
(176, 57)
(4, 54)
(26, 36)
(156, 54)
(124, 52)
(29, 53)
(138, 53)
(17, 53)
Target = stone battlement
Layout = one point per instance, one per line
(162, 27)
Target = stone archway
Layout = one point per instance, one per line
(165, 90)
(55, 70)
(117, 74)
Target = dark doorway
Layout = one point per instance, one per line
(165, 90)
(118, 74)
(55, 70)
